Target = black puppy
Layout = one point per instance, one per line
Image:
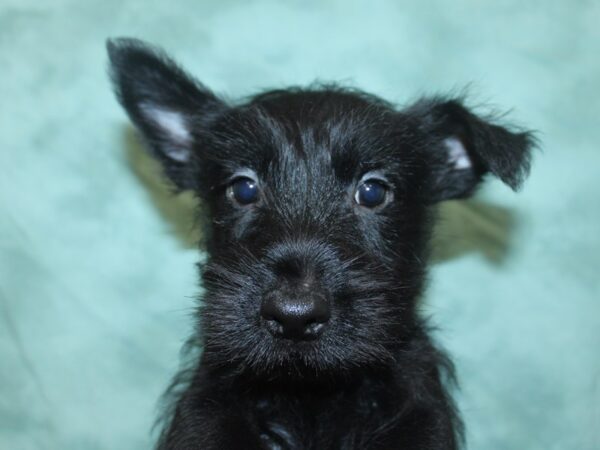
(320, 203)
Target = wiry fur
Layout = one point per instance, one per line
(373, 379)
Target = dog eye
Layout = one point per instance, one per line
(371, 193)
(243, 190)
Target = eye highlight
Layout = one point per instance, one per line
(243, 190)
(371, 193)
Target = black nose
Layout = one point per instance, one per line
(295, 316)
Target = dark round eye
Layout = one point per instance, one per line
(244, 190)
(370, 193)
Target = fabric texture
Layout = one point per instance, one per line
(97, 274)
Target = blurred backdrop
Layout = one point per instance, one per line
(97, 276)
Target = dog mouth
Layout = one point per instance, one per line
(306, 324)
(332, 355)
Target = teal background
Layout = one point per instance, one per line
(97, 273)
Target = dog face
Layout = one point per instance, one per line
(319, 202)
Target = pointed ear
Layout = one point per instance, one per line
(462, 147)
(167, 106)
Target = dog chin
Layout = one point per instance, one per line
(290, 358)
(309, 361)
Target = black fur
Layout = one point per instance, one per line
(373, 379)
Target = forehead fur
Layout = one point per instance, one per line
(347, 130)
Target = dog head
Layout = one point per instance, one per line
(319, 202)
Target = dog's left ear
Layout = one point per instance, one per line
(462, 147)
(168, 106)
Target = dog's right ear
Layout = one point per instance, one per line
(167, 105)
(463, 147)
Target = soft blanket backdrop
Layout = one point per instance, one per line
(97, 275)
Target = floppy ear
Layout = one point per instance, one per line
(462, 147)
(167, 106)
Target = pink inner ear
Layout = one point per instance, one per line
(457, 153)
(172, 125)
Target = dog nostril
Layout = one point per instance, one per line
(295, 318)
(320, 311)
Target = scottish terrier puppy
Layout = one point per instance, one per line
(320, 203)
